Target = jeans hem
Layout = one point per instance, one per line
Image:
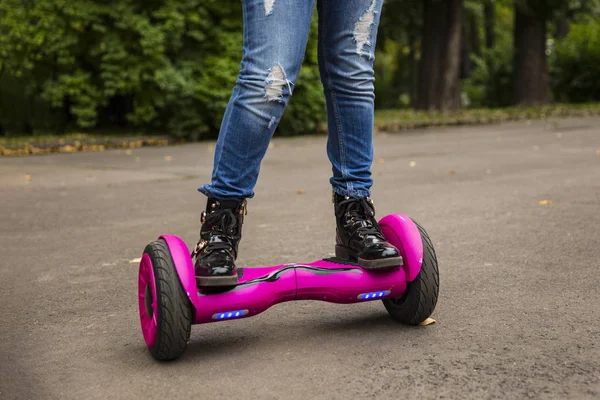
(209, 191)
(352, 192)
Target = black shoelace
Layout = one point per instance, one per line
(223, 223)
(361, 210)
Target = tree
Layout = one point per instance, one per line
(159, 65)
(489, 12)
(439, 81)
(398, 44)
(531, 82)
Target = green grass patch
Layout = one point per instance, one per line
(385, 120)
(394, 120)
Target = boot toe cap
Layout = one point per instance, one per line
(379, 252)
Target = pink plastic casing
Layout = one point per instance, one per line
(260, 288)
(402, 232)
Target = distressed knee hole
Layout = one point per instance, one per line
(362, 30)
(275, 83)
(269, 4)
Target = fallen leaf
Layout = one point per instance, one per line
(379, 160)
(452, 172)
(211, 148)
(271, 145)
(428, 321)
(545, 202)
(168, 158)
(135, 260)
(598, 152)
(128, 152)
(412, 164)
(137, 159)
(28, 178)
(300, 191)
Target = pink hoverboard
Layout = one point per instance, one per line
(170, 302)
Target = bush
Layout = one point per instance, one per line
(132, 64)
(575, 72)
(491, 84)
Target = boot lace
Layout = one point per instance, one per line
(222, 223)
(362, 214)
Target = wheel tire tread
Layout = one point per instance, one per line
(174, 310)
(422, 294)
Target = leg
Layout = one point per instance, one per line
(347, 36)
(348, 29)
(275, 36)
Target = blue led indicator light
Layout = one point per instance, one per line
(373, 295)
(230, 314)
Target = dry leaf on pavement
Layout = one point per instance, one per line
(428, 321)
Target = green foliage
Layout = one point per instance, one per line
(491, 84)
(576, 65)
(149, 65)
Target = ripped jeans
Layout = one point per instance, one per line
(275, 37)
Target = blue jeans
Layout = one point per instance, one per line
(275, 36)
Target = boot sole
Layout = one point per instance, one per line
(379, 264)
(216, 281)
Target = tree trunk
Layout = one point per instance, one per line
(450, 78)
(489, 12)
(465, 53)
(412, 42)
(531, 85)
(431, 53)
(563, 26)
(471, 45)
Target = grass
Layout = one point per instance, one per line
(385, 120)
(395, 120)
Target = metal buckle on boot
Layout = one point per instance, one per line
(199, 246)
(203, 217)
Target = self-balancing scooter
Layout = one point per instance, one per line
(170, 302)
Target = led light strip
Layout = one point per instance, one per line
(374, 295)
(230, 314)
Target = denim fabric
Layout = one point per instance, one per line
(275, 37)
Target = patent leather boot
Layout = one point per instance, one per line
(217, 249)
(359, 237)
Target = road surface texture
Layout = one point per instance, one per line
(513, 210)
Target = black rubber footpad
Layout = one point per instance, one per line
(337, 260)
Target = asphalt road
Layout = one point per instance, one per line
(519, 308)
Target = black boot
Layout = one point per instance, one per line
(218, 246)
(359, 237)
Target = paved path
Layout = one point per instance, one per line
(518, 316)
